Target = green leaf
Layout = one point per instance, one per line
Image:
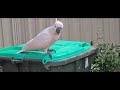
(108, 58)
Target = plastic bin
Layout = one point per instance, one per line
(70, 56)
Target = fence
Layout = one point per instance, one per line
(14, 31)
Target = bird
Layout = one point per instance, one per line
(45, 39)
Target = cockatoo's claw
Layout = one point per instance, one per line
(50, 55)
(50, 50)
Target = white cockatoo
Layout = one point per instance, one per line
(45, 39)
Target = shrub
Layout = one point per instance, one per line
(107, 59)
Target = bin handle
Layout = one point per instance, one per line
(12, 58)
(45, 60)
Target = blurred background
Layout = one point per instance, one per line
(15, 31)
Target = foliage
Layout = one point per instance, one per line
(108, 58)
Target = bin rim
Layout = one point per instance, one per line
(92, 50)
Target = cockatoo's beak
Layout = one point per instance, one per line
(58, 30)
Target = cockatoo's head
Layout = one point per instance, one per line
(58, 26)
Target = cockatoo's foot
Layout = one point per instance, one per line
(50, 50)
(50, 54)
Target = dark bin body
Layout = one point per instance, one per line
(74, 64)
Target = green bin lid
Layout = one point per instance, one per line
(64, 50)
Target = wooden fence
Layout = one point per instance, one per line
(14, 31)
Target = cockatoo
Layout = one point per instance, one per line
(45, 39)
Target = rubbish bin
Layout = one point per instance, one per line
(70, 56)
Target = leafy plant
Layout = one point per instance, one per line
(108, 58)
(108, 55)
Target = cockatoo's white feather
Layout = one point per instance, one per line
(44, 39)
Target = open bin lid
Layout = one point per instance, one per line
(64, 50)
